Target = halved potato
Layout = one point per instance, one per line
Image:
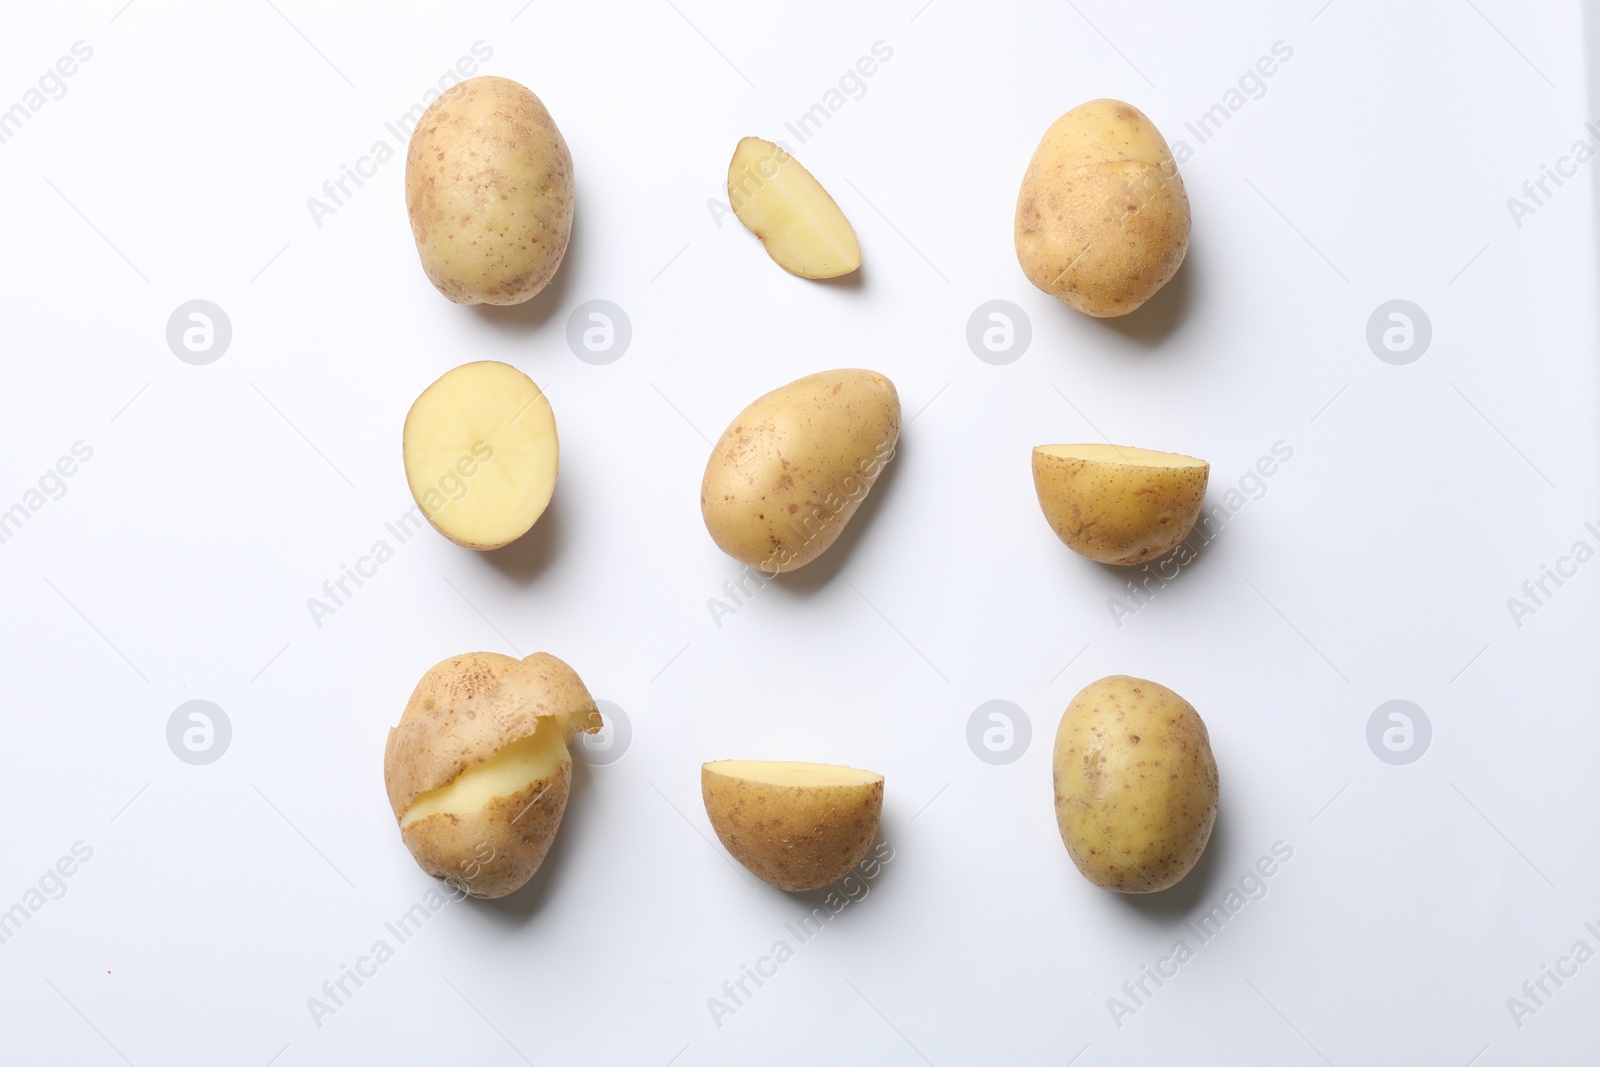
(779, 201)
(478, 770)
(1116, 504)
(798, 826)
(481, 454)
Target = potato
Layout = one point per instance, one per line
(481, 454)
(790, 472)
(1102, 218)
(779, 201)
(798, 826)
(489, 191)
(478, 769)
(1135, 784)
(1117, 504)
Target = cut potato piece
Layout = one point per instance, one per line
(481, 454)
(478, 771)
(779, 201)
(1116, 504)
(798, 826)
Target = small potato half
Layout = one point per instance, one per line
(478, 770)
(1135, 784)
(798, 826)
(1118, 504)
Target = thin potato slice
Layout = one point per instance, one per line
(481, 454)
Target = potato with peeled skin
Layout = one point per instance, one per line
(1102, 218)
(1117, 504)
(790, 471)
(798, 826)
(489, 190)
(478, 770)
(481, 454)
(799, 224)
(1135, 784)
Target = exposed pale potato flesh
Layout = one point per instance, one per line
(481, 454)
(1117, 504)
(797, 826)
(1135, 784)
(489, 190)
(478, 770)
(1102, 220)
(790, 471)
(799, 224)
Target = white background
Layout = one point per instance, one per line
(1376, 566)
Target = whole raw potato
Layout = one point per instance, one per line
(1102, 219)
(489, 191)
(792, 469)
(1135, 784)
(1118, 504)
(478, 770)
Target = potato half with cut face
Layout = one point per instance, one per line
(478, 769)
(798, 826)
(1116, 504)
(799, 224)
(481, 454)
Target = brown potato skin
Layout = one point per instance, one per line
(1123, 515)
(489, 190)
(462, 712)
(1102, 219)
(793, 838)
(788, 474)
(1135, 784)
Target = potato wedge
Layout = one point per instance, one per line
(799, 224)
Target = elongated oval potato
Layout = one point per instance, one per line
(481, 454)
(1135, 784)
(489, 190)
(1102, 219)
(478, 770)
(798, 826)
(799, 224)
(1117, 504)
(791, 470)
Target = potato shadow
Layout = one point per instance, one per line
(1159, 317)
(1201, 886)
(855, 281)
(820, 572)
(529, 556)
(854, 890)
(532, 314)
(518, 908)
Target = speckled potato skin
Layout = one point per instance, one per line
(1135, 784)
(490, 191)
(463, 711)
(789, 473)
(797, 839)
(1102, 218)
(1115, 513)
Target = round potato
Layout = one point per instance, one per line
(1117, 504)
(478, 770)
(1135, 784)
(489, 190)
(798, 826)
(1102, 219)
(790, 472)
